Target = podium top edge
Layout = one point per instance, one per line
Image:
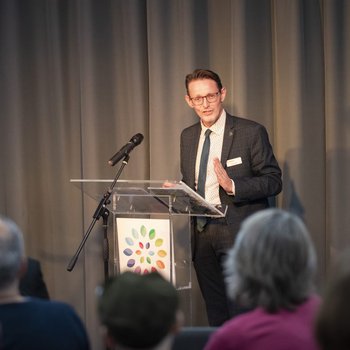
(90, 180)
(122, 181)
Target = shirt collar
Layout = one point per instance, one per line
(219, 126)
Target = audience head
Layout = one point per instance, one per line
(272, 263)
(139, 311)
(332, 323)
(11, 252)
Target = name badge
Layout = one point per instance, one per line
(234, 161)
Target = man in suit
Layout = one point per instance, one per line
(241, 172)
(32, 282)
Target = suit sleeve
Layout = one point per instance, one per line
(264, 179)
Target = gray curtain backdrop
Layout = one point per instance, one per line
(78, 78)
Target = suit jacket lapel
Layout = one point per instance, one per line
(193, 152)
(228, 139)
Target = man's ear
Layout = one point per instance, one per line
(110, 343)
(107, 338)
(188, 100)
(223, 94)
(179, 322)
(23, 267)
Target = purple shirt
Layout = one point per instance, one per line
(259, 330)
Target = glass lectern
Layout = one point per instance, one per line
(151, 226)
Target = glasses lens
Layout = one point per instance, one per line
(212, 97)
(197, 101)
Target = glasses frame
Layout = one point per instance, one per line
(216, 94)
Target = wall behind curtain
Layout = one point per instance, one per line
(79, 78)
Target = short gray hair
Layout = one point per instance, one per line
(11, 251)
(272, 263)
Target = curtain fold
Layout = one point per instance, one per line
(79, 78)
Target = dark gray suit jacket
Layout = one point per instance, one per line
(256, 178)
(32, 283)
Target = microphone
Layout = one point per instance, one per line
(126, 149)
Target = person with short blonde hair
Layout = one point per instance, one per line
(332, 323)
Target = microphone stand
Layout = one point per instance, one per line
(101, 210)
(105, 253)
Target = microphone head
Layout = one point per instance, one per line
(136, 139)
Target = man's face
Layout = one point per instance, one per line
(208, 112)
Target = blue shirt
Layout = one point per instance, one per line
(37, 324)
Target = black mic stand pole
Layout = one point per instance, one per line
(100, 211)
(105, 244)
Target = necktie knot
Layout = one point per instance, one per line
(207, 133)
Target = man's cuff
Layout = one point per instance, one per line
(233, 189)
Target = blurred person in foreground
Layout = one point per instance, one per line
(139, 312)
(30, 323)
(332, 323)
(271, 269)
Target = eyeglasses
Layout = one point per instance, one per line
(197, 101)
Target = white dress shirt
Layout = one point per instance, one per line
(216, 141)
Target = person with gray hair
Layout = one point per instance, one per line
(332, 327)
(30, 323)
(271, 269)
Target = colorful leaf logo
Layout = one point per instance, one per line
(145, 251)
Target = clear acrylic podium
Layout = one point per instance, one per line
(151, 226)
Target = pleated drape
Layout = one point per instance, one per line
(78, 78)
